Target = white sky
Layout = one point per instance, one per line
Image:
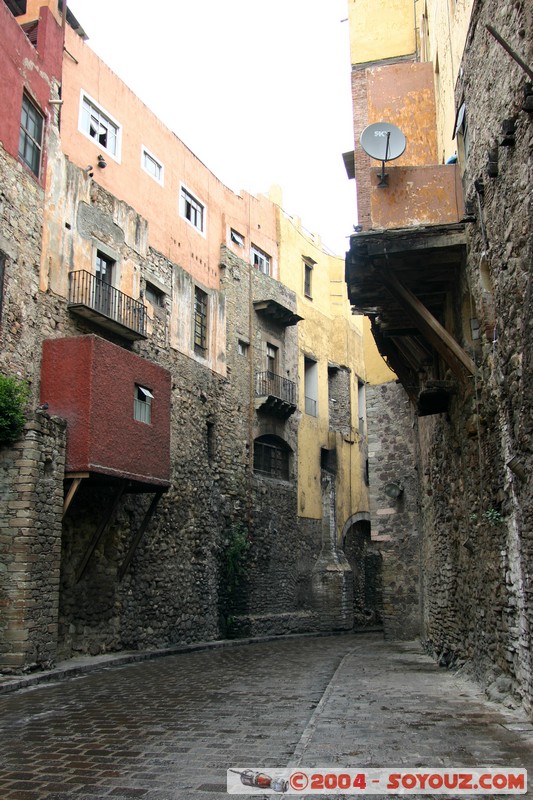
(259, 90)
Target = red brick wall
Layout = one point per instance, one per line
(23, 67)
(91, 383)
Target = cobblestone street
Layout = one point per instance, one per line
(168, 728)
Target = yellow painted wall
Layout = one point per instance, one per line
(376, 367)
(381, 29)
(328, 333)
(447, 27)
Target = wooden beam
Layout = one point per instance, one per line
(140, 533)
(435, 333)
(102, 528)
(73, 488)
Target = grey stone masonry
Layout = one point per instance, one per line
(31, 492)
(395, 522)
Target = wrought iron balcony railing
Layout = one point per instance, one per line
(270, 384)
(97, 300)
(275, 394)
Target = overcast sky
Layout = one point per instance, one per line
(259, 90)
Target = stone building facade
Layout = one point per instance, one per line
(453, 320)
(153, 497)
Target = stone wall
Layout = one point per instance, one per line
(477, 461)
(31, 494)
(395, 524)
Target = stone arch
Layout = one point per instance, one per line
(366, 563)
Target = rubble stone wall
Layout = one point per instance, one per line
(477, 461)
(395, 522)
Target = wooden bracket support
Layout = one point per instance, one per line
(140, 533)
(435, 333)
(102, 528)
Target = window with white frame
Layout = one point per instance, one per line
(142, 404)
(152, 165)
(260, 260)
(31, 135)
(192, 209)
(100, 126)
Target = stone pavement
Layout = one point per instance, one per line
(168, 728)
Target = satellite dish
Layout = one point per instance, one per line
(383, 141)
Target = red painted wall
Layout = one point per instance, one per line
(23, 67)
(91, 383)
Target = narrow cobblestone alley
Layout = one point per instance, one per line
(168, 728)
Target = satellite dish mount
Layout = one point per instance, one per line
(384, 142)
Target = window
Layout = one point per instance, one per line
(311, 386)
(260, 260)
(31, 136)
(154, 295)
(308, 274)
(98, 125)
(237, 238)
(103, 288)
(200, 321)
(151, 165)
(461, 129)
(142, 404)
(192, 210)
(271, 360)
(272, 457)
(361, 405)
(242, 347)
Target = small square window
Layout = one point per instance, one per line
(31, 135)
(98, 125)
(192, 210)
(242, 347)
(154, 295)
(152, 165)
(237, 238)
(260, 260)
(142, 404)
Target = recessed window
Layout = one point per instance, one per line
(142, 404)
(98, 125)
(271, 360)
(272, 457)
(152, 165)
(192, 210)
(31, 135)
(311, 386)
(242, 347)
(200, 321)
(154, 295)
(308, 279)
(260, 260)
(237, 238)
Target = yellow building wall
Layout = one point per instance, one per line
(381, 29)
(329, 334)
(447, 28)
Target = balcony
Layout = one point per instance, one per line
(94, 299)
(408, 282)
(275, 395)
